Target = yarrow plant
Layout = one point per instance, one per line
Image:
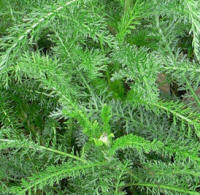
(99, 97)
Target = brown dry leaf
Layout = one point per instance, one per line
(112, 30)
(198, 92)
(38, 192)
(163, 85)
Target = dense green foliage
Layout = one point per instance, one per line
(82, 110)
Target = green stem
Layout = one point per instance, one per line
(63, 153)
(164, 187)
(48, 149)
(128, 4)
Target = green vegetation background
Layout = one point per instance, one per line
(99, 97)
